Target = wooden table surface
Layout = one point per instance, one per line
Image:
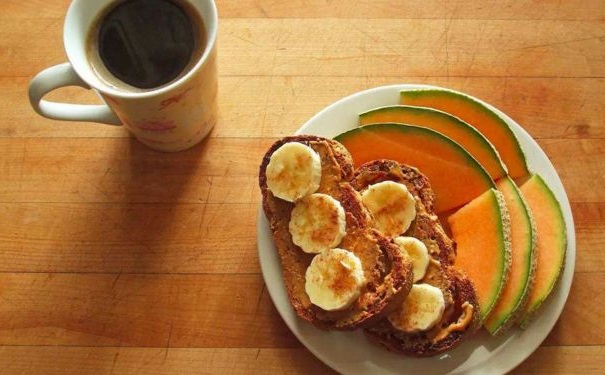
(118, 259)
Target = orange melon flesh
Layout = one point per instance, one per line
(459, 131)
(481, 231)
(492, 126)
(523, 260)
(551, 242)
(455, 176)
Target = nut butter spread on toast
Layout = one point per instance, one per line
(387, 270)
(459, 315)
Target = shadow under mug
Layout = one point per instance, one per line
(170, 118)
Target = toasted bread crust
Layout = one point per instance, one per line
(456, 287)
(387, 269)
(424, 344)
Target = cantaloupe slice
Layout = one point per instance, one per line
(455, 176)
(523, 260)
(492, 126)
(551, 242)
(482, 231)
(459, 131)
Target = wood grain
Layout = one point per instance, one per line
(87, 360)
(167, 310)
(414, 9)
(78, 360)
(278, 106)
(184, 238)
(372, 47)
(194, 310)
(122, 170)
(581, 313)
(573, 157)
(118, 259)
(215, 157)
(188, 200)
(180, 238)
(564, 360)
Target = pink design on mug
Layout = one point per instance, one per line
(173, 99)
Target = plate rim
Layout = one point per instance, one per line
(552, 178)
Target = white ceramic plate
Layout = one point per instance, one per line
(350, 352)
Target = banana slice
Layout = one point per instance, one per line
(392, 206)
(418, 252)
(334, 279)
(421, 310)
(294, 171)
(317, 223)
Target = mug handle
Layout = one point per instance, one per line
(60, 76)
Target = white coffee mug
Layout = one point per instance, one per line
(170, 118)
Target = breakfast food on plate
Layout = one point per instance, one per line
(418, 253)
(356, 226)
(442, 308)
(406, 330)
(422, 310)
(478, 115)
(442, 160)
(317, 222)
(293, 172)
(482, 233)
(517, 289)
(325, 270)
(509, 303)
(425, 226)
(391, 205)
(338, 274)
(452, 127)
(551, 243)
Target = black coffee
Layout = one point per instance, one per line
(148, 43)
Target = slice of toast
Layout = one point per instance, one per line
(426, 226)
(458, 321)
(461, 315)
(387, 270)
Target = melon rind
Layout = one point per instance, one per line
(533, 304)
(514, 160)
(504, 240)
(372, 152)
(425, 117)
(498, 324)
